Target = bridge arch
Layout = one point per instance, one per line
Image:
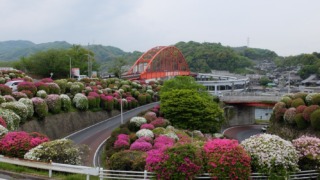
(158, 63)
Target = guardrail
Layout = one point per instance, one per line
(114, 174)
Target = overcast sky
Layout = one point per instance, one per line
(288, 27)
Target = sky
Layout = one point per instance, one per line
(288, 27)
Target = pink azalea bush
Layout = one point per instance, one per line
(54, 103)
(5, 90)
(150, 116)
(178, 162)
(16, 144)
(309, 152)
(42, 86)
(147, 126)
(163, 142)
(308, 111)
(289, 115)
(141, 146)
(53, 88)
(107, 102)
(3, 122)
(122, 142)
(227, 159)
(19, 95)
(27, 86)
(160, 122)
(40, 107)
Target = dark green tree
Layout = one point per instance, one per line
(264, 80)
(187, 109)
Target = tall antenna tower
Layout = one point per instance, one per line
(248, 41)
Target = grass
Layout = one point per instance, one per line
(259, 121)
(42, 173)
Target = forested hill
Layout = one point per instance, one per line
(202, 57)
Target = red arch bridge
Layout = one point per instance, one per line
(160, 62)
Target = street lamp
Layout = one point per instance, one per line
(121, 115)
(70, 66)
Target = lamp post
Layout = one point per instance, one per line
(70, 66)
(121, 115)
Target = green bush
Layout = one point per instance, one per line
(40, 107)
(315, 120)
(54, 103)
(142, 99)
(80, 101)
(53, 88)
(315, 100)
(42, 94)
(5, 90)
(301, 123)
(62, 83)
(74, 89)
(29, 104)
(12, 119)
(128, 160)
(297, 102)
(287, 100)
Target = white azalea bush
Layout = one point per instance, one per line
(144, 133)
(3, 131)
(136, 122)
(81, 102)
(65, 102)
(18, 107)
(59, 151)
(42, 94)
(11, 118)
(29, 104)
(271, 155)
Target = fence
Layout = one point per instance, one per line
(113, 174)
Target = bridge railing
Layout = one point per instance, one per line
(114, 174)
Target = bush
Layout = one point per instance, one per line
(122, 142)
(147, 126)
(3, 122)
(19, 95)
(308, 111)
(27, 86)
(62, 83)
(40, 107)
(9, 98)
(42, 94)
(150, 116)
(53, 88)
(163, 142)
(65, 102)
(128, 161)
(226, 159)
(107, 102)
(315, 100)
(179, 162)
(29, 104)
(309, 152)
(271, 155)
(315, 120)
(16, 144)
(142, 99)
(3, 131)
(160, 122)
(54, 103)
(301, 108)
(75, 89)
(138, 121)
(289, 115)
(17, 107)
(12, 119)
(145, 133)
(301, 123)
(59, 151)
(81, 102)
(5, 90)
(141, 146)
(297, 102)
(42, 86)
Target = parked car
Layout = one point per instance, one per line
(13, 84)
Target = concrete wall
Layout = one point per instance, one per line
(240, 115)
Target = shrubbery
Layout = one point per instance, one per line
(128, 160)
(65, 102)
(54, 103)
(81, 102)
(18, 107)
(40, 107)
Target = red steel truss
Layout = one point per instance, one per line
(159, 62)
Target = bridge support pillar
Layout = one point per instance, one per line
(241, 115)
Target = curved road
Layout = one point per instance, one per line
(242, 132)
(95, 135)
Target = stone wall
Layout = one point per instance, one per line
(60, 125)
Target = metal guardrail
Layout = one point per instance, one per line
(114, 174)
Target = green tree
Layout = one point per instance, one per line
(117, 67)
(264, 80)
(187, 109)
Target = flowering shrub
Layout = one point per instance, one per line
(53, 88)
(9, 98)
(287, 100)
(150, 116)
(142, 99)
(160, 122)
(18, 95)
(40, 107)
(308, 111)
(297, 102)
(315, 120)
(147, 126)
(122, 142)
(309, 98)
(59, 151)
(46, 80)
(301, 108)
(138, 121)
(2, 99)
(96, 98)
(3, 130)
(62, 83)
(145, 139)
(54, 103)
(41, 86)
(309, 152)
(163, 142)
(80, 101)
(289, 115)
(28, 93)
(29, 105)
(12, 119)
(5, 90)
(128, 160)
(107, 102)
(42, 94)
(16, 144)
(75, 88)
(3, 122)
(27, 86)
(145, 133)
(65, 102)
(227, 159)
(271, 155)
(178, 162)
(141, 146)
(315, 99)
(17, 107)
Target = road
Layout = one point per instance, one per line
(242, 132)
(95, 135)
